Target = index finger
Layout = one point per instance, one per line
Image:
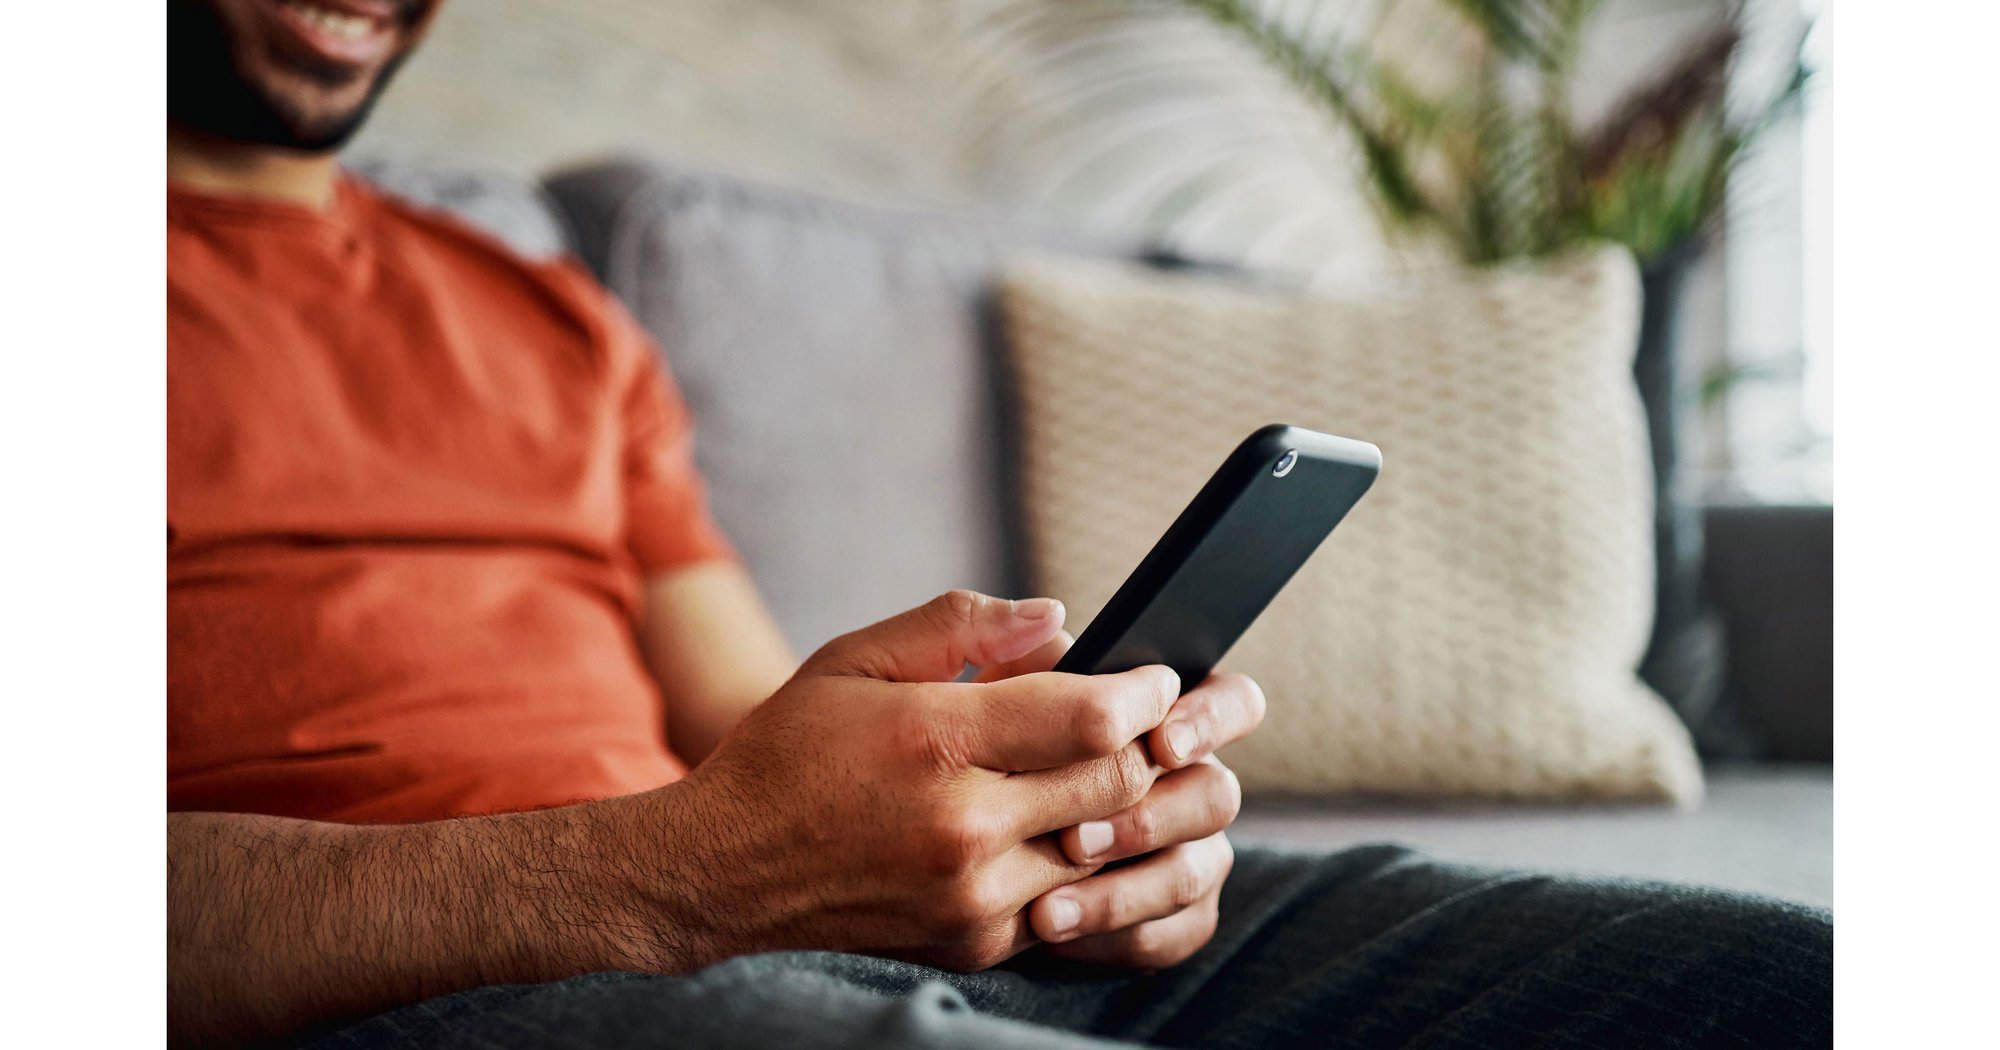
(1049, 718)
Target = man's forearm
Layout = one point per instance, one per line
(275, 924)
(714, 649)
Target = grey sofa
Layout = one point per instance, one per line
(838, 358)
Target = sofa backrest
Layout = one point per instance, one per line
(843, 369)
(515, 211)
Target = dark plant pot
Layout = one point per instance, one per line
(1685, 658)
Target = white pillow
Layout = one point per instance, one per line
(1473, 627)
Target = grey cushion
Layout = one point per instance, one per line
(515, 211)
(1767, 828)
(842, 372)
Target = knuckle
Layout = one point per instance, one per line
(960, 606)
(1151, 945)
(931, 735)
(1096, 723)
(1130, 776)
(978, 834)
(1187, 882)
(1143, 822)
(959, 839)
(990, 902)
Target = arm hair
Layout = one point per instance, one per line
(275, 925)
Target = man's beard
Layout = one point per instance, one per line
(207, 92)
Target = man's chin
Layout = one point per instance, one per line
(209, 91)
(316, 124)
(264, 125)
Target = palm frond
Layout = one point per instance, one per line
(1542, 33)
(1141, 114)
(1457, 114)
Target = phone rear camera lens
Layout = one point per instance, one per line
(1285, 463)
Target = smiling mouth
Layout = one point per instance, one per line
(344, 26)
(339, 32)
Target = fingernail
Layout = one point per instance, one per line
(1036, 608)
(1064, 914)
(1095, 837)
(1181, 740)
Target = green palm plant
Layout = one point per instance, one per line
(1492, 159)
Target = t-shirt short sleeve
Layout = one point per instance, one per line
(667, 519)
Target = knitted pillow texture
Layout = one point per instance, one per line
(1473, 628)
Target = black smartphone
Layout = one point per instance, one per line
(1272, 503)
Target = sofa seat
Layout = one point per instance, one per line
(1764, 827)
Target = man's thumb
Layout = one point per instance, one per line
(934, 641)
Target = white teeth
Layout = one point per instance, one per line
(345, 26)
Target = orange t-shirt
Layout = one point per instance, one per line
(414, 485)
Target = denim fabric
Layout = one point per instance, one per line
(1376, 946)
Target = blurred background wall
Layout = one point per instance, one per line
(830, 92)
(877, 95)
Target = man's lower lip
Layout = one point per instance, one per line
(328, 46)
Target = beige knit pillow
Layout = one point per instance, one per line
(1473, 627)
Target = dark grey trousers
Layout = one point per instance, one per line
(1376, 946)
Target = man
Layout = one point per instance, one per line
(478, 733)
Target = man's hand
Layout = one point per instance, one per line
(1161, 909)
(873, 804)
